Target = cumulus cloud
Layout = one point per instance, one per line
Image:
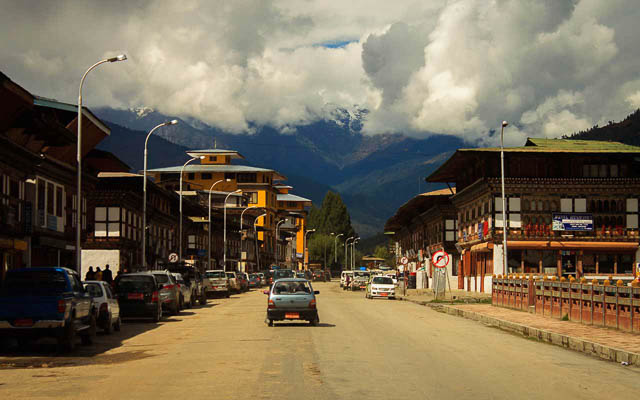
(420, 67)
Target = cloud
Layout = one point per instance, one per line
(420, 67)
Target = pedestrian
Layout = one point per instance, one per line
(98, 275)
(90, 274)
(107, 276)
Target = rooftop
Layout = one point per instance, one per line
(292, 197)
(416, 206)
(217, 152)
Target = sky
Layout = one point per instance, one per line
(548, 67)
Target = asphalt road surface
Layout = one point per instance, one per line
(363, 349)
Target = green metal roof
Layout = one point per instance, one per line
(540, 145)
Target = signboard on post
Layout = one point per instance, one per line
(572, 222)
(440, 259)
(404, 261)
(173, 258)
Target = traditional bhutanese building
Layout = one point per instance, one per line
(213, 171)
(423, 226)
(294, 210)
(571, 208)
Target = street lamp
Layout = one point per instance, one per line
(144, 193)
(277, 226)
(504, 207)
(335, 248)
(346, 251)
(255, 236)
(224, 240)
(353, 252)
(121, 57)
(210, 190)
(241, 235)
(182, 173)
(306, 261)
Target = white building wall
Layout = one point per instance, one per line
(498, 257)
(100, 258)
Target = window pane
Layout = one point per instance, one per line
(514, 204)
(114, 214)
(589, 263)
(625, 264)
(101, 229)
(114, 229)
(566, 205)
(632, 221)
(605, 263)
(581, 205)
(632, 205)
(498, 204)
(549, 262)
(514, 221)
(50, 198)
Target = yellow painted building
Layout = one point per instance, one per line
(295, 207)
(213, 171)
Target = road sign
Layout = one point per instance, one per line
(440, 259)
(173, 257)
(404, 261)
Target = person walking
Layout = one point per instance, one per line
(98, 275)
(90, 274)
(107, 276)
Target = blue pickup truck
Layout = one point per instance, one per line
(52, 302)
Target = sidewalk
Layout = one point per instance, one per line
(424, 296)
(596, 341)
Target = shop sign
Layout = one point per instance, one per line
(572, 222)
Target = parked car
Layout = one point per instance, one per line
(263, 278)
(186, 293)
(169, 291)
(292, 299)
(243, 281)
(301, 275)
(216, 282)
(254, 281)
(138, 296)
(380, 286)
(193, 278)
(234, 283)
(318, 275)
(105, 304)
(46, 302)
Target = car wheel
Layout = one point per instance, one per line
(117, 325)
(67, 342)
(227, 295)
(269, 322)
(203, 299)
(158, 315)
(108, 326)
(89, 334)
(315, 321)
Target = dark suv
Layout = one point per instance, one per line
(138, 296)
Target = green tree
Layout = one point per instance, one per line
(382, 251)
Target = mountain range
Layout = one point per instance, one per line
(373, 174)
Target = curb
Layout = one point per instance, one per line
(583, 346)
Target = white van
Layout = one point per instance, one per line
(343, 278)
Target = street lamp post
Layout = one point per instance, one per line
(335, 248)
(346, 251)
(224, 239)
(210, 190)
(121, 57)
(182, 173)
(255, 237)
(277, 236)
(241, 235)
(144, 193)
(504, 207)
(306, 260)
(353, 253)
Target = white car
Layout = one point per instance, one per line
(106, 305)
(381, 286)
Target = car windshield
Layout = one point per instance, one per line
(289, 287)
(41, 282)
(161, 278)
(383, 280)
(135, 284)
(230, 275)
(94, 289)
(253, 276)
(214, 274)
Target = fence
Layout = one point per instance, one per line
(588, 303)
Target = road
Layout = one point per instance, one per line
(375, 349)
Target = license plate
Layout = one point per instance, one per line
(292, 315)
(23, 322)
(135, 296)
(383, 294)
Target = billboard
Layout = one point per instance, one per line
(572, 222)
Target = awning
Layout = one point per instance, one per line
(485, 247)
(560, 245)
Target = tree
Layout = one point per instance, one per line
(331, 217)
(382, 251)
